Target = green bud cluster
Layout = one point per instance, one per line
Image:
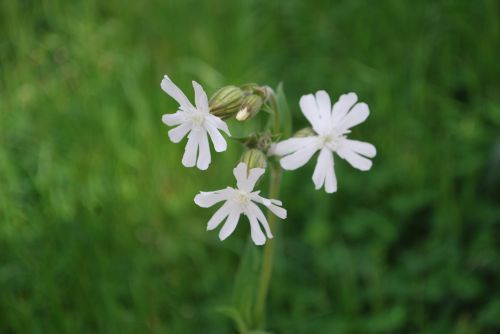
(242, 102)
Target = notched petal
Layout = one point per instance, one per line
(171, 89)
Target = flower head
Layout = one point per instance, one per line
(195, 122)
(241, 200)
(331, 126)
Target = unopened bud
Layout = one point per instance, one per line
(254, 158)
(250, 106)
(226, 101)
(264, 140)
(305, 132)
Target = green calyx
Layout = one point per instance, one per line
(250, 106)
(242, 102)
(226, 102)
(254, 158)
(305, 132)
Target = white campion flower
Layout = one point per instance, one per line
(331, 126)
(197, 121)
(241, 201)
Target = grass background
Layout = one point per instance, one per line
(98, 229)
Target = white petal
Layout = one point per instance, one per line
(171, 89)
(293, 144)
(342, 106)
(230, 224)
(356, 160)
(271, 204)
(219, 123)
(361, 147)
(272, 150)
(200, 97)
(176, 134)
(276, 202)
(322, 165)
(330, 178)
(253, 177)
(219, 215)
(278, 211)
(207, 199)
(220, 144)
(310, 109)
(357, 115)
(203, 152)
(324, 106)
(300, 157)
(257, 236)
(255, 211)
(258, 199)
(240, 173)
(191, 150)
(173, 119)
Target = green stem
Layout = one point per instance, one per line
(268, 252)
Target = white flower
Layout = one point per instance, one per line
(197, 121)
(331, 126)
(241, 201)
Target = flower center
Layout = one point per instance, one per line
(332, 140)
(197, 119)
(242, 197)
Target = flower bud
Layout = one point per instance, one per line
(250, 106)
(264, 141)
(226, 101)
(305, 132)
(254, 158)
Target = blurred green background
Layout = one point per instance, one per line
(98, 229)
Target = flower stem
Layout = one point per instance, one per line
(268, 252)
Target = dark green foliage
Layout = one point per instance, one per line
(98, 229)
